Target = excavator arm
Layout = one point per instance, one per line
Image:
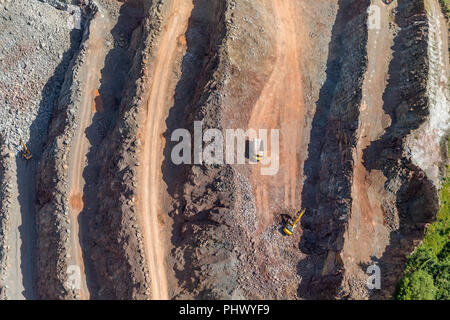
(300, 214)
(25, 152)
(290, 227)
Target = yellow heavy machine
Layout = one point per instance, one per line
(25, 152)
(290, 227)
(257, 150)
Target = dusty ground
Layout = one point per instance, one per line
(281, 105)
(96, 89)
(281, 80)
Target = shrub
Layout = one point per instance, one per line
(427, 271)
(417, 286)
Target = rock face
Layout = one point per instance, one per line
(424, 145)
(412, 199)
(117, 253)
(409, 197)
(327, 190)
(206, 229)
(111, 240)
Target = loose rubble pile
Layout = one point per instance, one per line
(34, 63)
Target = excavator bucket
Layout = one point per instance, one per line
(27, 155)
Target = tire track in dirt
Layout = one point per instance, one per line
(152, 156)
(96, 55)
(281, 106)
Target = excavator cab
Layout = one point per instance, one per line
(25, 152)
(291, 225)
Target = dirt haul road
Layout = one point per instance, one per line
(22, 235)
(367, 189)
(281, 106)
(152, 156)
(99, 27)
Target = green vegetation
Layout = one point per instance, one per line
(446, 4)
(427, 272)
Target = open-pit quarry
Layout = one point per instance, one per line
(353, 94)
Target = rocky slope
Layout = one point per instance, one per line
(52, 183)
(409, 198)
(327, 190)
(365, 161)
(117, 250)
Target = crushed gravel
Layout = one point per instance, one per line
(36, 49)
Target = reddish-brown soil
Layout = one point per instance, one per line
(281, 106)
(98, 103)
(277, 88)
(150, 204)
(76, 202)
(97, 51)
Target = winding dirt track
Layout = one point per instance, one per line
(281, 106)
(152, 157)
(81, 144)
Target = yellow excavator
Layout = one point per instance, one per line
(290, 227)
(258, 150)
(25, 152)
